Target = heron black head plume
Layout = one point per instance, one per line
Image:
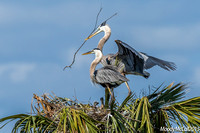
(103, 24)
(96, 49)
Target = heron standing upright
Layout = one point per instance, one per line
(108, 76)
(127, 59)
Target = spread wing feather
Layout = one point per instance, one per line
(133, 61)
(151, 61)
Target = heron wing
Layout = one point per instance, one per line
(125, 49)
(151, 61)
(130, 57)
(109, 74)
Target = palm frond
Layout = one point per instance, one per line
(126, 100)
(167, 95)
(187, 112)
(74, 120)
(118, 123)
(29, 123)
(162, 108)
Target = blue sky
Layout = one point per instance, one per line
(38, 38)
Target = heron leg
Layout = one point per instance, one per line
(129, 90)
(107, 97)
(112, 95)
(112, 92)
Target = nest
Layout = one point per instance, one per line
(50, 106)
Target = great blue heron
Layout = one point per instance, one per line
(108, 76)
(127, 59)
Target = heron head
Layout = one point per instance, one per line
(95, 51)
(102, 27)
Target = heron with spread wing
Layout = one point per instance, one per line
(127, 59)
(108, 76)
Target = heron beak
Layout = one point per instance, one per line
(90, 52)
(95, 33)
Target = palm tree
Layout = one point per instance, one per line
(158, 111)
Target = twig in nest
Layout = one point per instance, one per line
(83, 42)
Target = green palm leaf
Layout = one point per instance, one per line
(160, 109)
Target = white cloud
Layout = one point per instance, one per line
(168, 37)
(16, 72)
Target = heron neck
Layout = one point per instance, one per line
(104, 39)
(94, 63)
